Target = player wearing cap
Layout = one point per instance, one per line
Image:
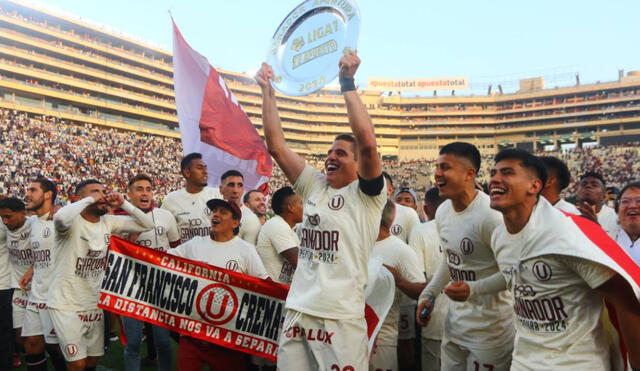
(222, 248)
(557, 274)
(403, 264)
(479, 326)
(232, 189)
(558, 179)
(590, 200)
(37, 328)
(18, 228)
(82, 238)
(161, 237)
(426, 244)
(189, 204)
(407, 197)
(277, 241)
(342, 211)
(255, 201)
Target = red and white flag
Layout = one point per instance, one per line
(212, 121)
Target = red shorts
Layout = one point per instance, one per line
(193, 354)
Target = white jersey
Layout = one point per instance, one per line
(398, 255)
(631, 247)
(557, 311)
(608, 220)
(249, 225)
(567, 207)
(20, 254)
(190, 211)
(484, 320)
(337, 233)
(426, 244)
(44, 249)
(236, 255)
(82, 250)
(5, 269)
(165, 230)
(406, 219)
(275, 237)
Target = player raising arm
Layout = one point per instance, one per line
(342, 210)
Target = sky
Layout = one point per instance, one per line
(498, 41)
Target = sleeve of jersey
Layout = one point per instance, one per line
(283, 239)
(594, 274)
(371, 187)
(437, 283)
(137, 221)
(64, 218)
(306, 181)
(180, 251)
(172, 230)
(415, 241)
(411, 270)
(256, 267)
(489, 285)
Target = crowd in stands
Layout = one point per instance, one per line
(67, 153)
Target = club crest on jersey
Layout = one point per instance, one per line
(542, 270)
(217, 304)
(46, 232)
(396, 229)
(336, 202)
(207, 211)
(314, 220)
(466, 246)
(107, 236)
(232, 265)
(71, 349)
(524, 290)
(160, 230)
(24, 236)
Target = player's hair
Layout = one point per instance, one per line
(229, 173)
(387, 214)
(12, 203)
(351, 139)
(560, 168)
(628, 187)
(186, 160)
(85, 183)
(245, 199)
(387, 177)
(280, 199)
(138, 178)
(433, 197)
(48, 186)
(464, 150)
(594, 174)
(527, 161)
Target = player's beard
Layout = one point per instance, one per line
(36, 207)
(93, 209)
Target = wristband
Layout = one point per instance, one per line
(347, 84)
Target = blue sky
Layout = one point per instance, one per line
(486, 41)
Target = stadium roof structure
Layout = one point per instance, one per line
(59, 65)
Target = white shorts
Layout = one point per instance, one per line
(80, 334)
(384, 358)
(313, 343)
(19, 304)
(431, 354)
(457, 357)
(38, 322)
(407, 322)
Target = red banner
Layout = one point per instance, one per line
(213, 304)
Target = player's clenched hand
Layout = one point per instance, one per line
(587, 210)
(349, 64)
(458, 291)
(263, 77)
(25, 280)
(421, 306)
(114, 199)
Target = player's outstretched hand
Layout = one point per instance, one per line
(114, 199)
(458, 291)
(423, 313)
(349, 64)
(263, 77)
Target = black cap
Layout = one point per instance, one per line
(231, 206)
